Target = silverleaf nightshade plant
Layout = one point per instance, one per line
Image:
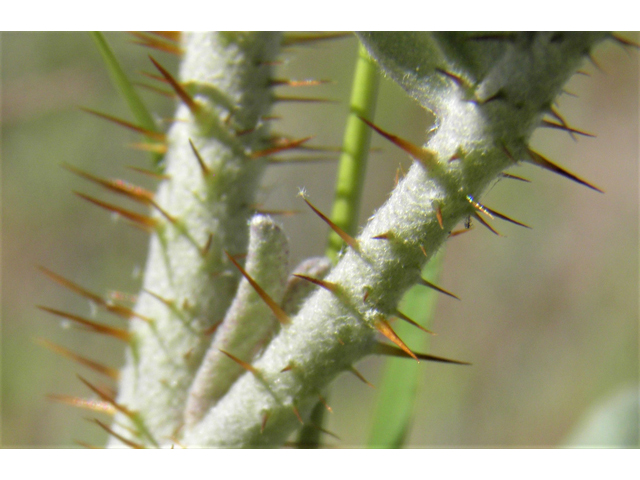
(228, 350)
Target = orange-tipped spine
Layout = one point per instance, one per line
(153, 135)
(433, 286)
(348, 239)
(112, 373)
(137, 218)
(114, 332)
(538, 159)
(247, 366)
(280, 147)
(385, 329)
(390, 350)
(186, 98)
(133, 192)
(277, 311)
(423, 155)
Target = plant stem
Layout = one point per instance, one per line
(480, 134)
(355, 149)
(189, 283)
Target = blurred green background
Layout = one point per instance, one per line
(549, 316)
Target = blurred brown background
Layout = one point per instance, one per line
(549, 316)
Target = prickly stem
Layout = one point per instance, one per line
(331, 332)
(158, 374)
(489, 94)
(249, 323)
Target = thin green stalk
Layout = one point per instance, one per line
(309, 436)
(355, 149)
(122, 83)
(349, 184)
(401, 379)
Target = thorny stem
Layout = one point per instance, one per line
(484, 127)
(488, 101)
(189, 283)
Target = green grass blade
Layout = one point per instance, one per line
(309, 436)
(355, 150)
(124, 86)
(401, 378)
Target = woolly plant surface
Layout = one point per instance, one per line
(488, 94)
(219, 355)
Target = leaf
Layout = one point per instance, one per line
(401, 378)
(122, 83)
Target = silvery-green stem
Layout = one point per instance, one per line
(488, 92)
(228, 73)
